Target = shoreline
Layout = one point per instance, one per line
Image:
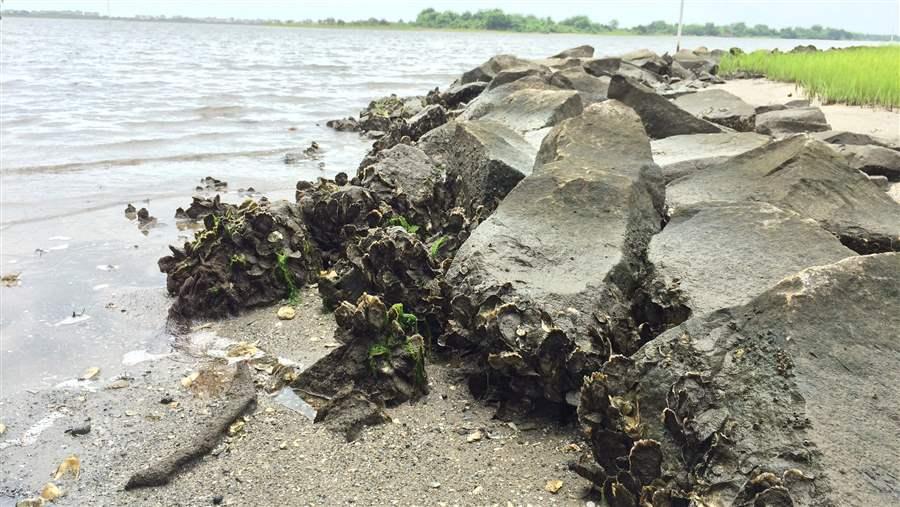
(458, 441)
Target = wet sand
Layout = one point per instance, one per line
(280, 458)
(876, 121)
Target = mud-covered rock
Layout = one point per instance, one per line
(718, 254)
(792, 121)
(805, 176)
(873, 160)
(382, 355)
(781, 401)
(660, 117)
(534, 285)
(246, 256)
(686, 154)
(719, 106)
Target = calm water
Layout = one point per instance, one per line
(98, 114)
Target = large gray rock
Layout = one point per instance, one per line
(854, 138)
(792, 121)
(873, 160)
(719, 106)
(805, 176)
(790, 399)
(647, 60)
(521, 107)
(616, 66)
(682, 155)
(660, 117)
(509, 75)
(576, 52)
(698, 62)
(561, 253)
(483, 161)
(459, 94)
(487, 70)
(721, 254)
(591, 88)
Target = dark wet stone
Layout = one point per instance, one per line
(805, 176)
(660, 117)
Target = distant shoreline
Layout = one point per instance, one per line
(396, 26)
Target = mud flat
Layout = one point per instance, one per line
(556, 281)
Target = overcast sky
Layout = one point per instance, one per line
(872, 16)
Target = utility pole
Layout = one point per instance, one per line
(680, 23)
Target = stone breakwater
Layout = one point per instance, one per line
(709, 288)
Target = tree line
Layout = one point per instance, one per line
(496, 19)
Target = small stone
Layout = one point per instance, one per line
(130, 413)
(474, 436)
(477, 490)
(118, 384)
(90, 373)
(553, 486)
(435, 485)
(235, 428)
(218, 499)
(286, 313)
(2, 428)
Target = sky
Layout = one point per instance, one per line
(870, 16)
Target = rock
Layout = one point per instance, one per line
(349, 412)
(894, 192)
(525, 285)
(660, 117)
(584, 51)
(592, 89)
(506, 76)
(51, 492)
(348, 124)
(697, 62)
(130, 212)
(475, 436)
(780, 401)
(382, 355)
(719, 106)
(524, 109)
(791, 121)
(286, 313)
(683, 155)
(483, 161)
(210, 184)
(246, 256)
(716, 255)
(490, 68)
(805, 176)
(873, 160)
(200, 207)
(853, 138)
(218, 499)
(381, 114)
(428, 118)
(647, 60)
(769, 107)
(881, 182)
(144, 219)
(610, 67)
(462, 94)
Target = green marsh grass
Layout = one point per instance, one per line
(857, 76)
